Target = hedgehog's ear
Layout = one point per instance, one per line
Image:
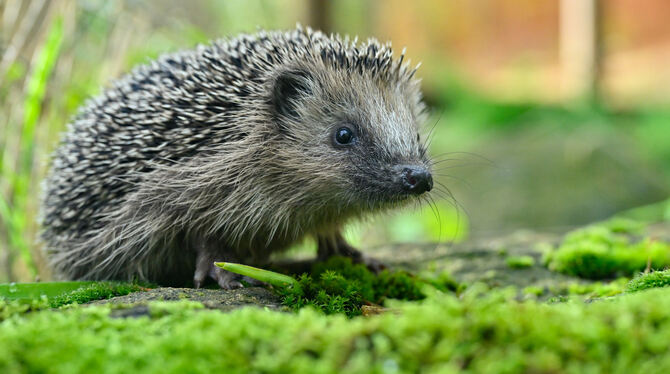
(290, 86)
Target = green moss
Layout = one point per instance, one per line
(442, 281)
(475, 333)
(533, 291)
(607, 251)
(520, 262)
(592, 290)
(95, 291)
(654, 279)
(338, 286)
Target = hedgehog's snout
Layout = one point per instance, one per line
(413, 179)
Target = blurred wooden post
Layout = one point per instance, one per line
(320, 15)
(580, 44)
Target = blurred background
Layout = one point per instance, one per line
(551, 114)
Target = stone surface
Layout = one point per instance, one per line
(483, 260)
(210, 298)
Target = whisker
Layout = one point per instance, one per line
(430, 137)
(476, 155)
(446, 167)
(452, 198)
(439, 217)
(462, 180)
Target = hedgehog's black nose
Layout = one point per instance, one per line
(415, 179)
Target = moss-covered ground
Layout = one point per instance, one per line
(617, 324)
(481, 331)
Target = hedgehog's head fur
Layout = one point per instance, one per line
(351, 136)
(343, 129)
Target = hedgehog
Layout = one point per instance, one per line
(233, 151)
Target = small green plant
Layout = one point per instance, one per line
(655, 279)
(338, 286)
(520, 262)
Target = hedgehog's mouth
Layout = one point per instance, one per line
(390, 201)
(394, 187)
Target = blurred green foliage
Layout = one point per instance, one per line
(480, 331)
(592, 290)
(18, 180)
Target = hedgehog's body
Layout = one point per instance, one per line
(229, 153)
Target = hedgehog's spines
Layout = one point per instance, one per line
(182, 148)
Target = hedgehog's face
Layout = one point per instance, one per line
(357, 134)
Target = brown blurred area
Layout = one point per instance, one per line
(511, 49)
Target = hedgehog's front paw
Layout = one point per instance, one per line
(225, 279)
(335, 245)
(205, 267)
(373, 264)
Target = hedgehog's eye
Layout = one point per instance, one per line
(344, 136)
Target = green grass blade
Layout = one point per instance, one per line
(275, 279)
(37, 86)
(14, 213)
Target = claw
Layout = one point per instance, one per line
(253, 282)
(225, 279)
(373, 264)
(336, 245)
(205, 267)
